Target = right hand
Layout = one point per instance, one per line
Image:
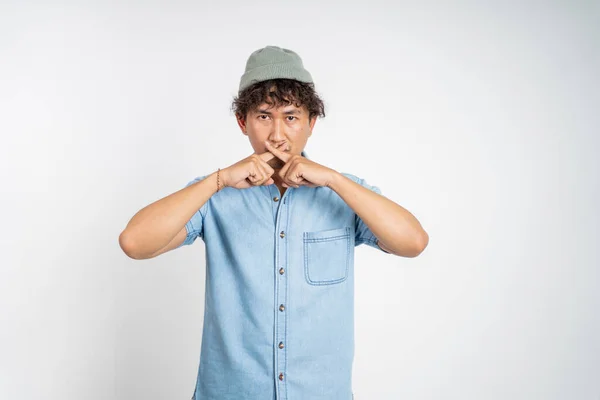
(251, 171)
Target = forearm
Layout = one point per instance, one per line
(394, 226)
(155, 225)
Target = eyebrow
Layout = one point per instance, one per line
(289, 112)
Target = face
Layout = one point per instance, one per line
(287, 126)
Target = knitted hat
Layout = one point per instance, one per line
(273, 62)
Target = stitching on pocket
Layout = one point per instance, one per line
(313, 238)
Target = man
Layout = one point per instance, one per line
(280, 231)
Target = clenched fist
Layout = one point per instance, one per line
(251, 171)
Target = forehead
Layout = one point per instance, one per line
(280, 109)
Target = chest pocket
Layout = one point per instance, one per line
(327, 255)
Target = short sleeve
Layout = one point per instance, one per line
(363, 233)
(195, 226)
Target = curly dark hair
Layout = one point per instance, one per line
(276, 93)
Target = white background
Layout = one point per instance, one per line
(482, 120)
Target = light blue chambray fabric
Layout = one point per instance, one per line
(279, 293)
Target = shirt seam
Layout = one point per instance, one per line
(287, 292)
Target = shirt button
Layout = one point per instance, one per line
(281, 345)
(282, 234)
(281, 308)
(281, 271)
(281, 376)
(275, 198)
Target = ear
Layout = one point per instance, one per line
(311, 124)
(242, 123)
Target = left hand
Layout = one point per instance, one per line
(300, 171)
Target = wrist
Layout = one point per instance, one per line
(334, 179)
(223, 181)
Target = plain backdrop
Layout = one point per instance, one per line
(482, 119)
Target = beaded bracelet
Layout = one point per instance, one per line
(219, 170)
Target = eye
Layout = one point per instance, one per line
(291, 116)
(263, 115)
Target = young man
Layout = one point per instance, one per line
(280, 231)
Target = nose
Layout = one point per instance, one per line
(276, 135)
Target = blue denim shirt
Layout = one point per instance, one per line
(279, 299)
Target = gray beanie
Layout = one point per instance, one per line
(273, 62)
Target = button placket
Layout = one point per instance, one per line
(281, 295)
